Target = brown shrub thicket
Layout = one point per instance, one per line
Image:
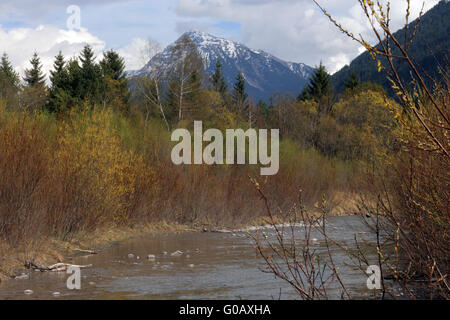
(94, 168)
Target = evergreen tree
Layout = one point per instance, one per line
(87, 57)
(239, 94)
(172, 100)
(8, 73)
(353, 82)
(72, 95)
(264, 109)
(34, 76)
(90, 75)
(58, 75)
(115, 85)
(113, 65)
(59, 89)
(195, 105)
(35, 95)
(318, 87)
(9, 82)
(218, 81)
(74, 78)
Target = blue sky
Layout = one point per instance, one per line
(293, 30)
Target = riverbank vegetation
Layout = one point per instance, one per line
(410, 217)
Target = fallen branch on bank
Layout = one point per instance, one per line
(86, 251)
(58, 267)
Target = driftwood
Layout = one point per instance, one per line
(58, 267)
(205, 230)
(86, 251)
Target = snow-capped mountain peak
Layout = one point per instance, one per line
(264, 73)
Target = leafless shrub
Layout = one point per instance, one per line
(412, 185)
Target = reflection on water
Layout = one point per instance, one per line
(188, 266)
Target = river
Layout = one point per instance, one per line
(191, 265)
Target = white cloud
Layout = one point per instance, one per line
(337, 62)
(47, 41)
(133, 54)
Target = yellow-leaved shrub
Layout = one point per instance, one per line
(111, 176)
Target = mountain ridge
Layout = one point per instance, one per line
(264, 73)
(429, 49)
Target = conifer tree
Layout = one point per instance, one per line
(218, 81)
(58, 67)
(115, 84)
(59, 89)
(34, 76)
(58, 76)
(74, 77)
(9, 82)
(90, 75)
(239, 94)
(319, 85)
(7, 71)
(319, 89)
(353, 82)
(87, 57)
(35, 95)
(113, 65)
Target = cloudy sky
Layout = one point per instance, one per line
(293, 30)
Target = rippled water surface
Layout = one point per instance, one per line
(206, 266)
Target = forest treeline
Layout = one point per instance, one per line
(351, 126)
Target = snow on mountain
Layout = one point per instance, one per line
(264, 73)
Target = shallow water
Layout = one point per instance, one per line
(211, 266)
